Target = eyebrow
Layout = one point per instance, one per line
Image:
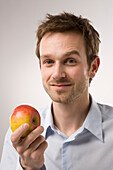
(74, 52)
(67, 54)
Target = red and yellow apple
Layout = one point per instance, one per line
(24, 114)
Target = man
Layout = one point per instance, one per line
(76, 132)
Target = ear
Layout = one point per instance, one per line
(94, 67)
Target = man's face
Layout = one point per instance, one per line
(64, 67)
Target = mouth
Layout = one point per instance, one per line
(60, 86)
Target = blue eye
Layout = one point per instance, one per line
(71, 61)
(48, 61)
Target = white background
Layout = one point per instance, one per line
(20, 80)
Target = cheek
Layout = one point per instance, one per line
(45, 73)
(78, 73)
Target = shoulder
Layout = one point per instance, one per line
(107, 122)
(106, 110)
(107, 116)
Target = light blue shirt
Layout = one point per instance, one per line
(89, 148)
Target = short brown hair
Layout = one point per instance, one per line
(69, 22)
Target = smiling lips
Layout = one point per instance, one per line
(60, 86)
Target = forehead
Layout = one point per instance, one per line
(61, 42)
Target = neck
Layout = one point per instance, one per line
(69, 117)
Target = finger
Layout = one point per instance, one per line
(17, 134)
(34, 146)
(32, 136)
(43, 146)
(39, 151)
(36, 143)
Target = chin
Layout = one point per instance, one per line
(62, 100)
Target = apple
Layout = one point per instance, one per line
(24, 114)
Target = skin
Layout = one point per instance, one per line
(31, 148)
(65, 76)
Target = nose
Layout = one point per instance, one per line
(58, 72)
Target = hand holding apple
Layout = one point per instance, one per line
(24, 114)
(30, 149)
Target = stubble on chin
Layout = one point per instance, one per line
(70, 96)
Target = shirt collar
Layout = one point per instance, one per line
(47, 119)
(92, 123)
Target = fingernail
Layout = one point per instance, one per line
(25, 125)
(42, 128)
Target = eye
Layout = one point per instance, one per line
(48, 62)
(70, 61)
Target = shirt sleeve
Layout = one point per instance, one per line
(10, 157)
(43, 168)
